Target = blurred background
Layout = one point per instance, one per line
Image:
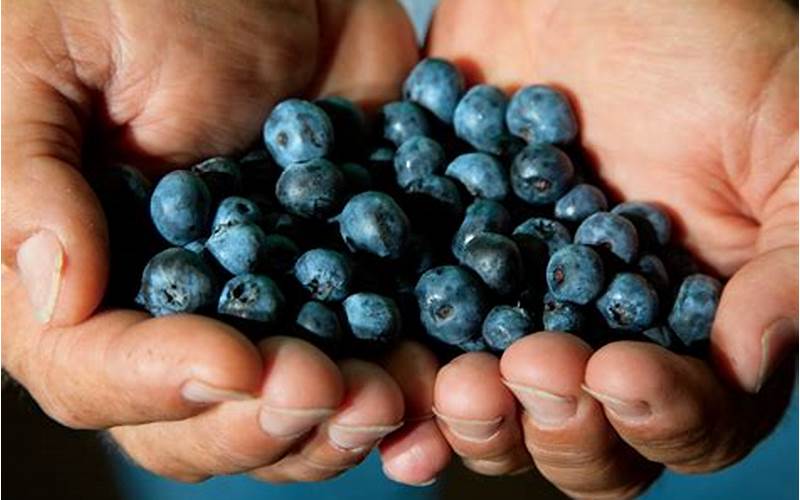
(45, 460)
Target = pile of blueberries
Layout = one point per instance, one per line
(462, 217)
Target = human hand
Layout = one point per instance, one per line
(689, 104)
(168, 84)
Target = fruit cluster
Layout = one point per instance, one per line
(466, 216)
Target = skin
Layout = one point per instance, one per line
(85, 83)
(718, 148)
(691, 104)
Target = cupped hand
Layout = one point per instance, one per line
(690, 104)
(170, 83)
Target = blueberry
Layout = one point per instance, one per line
(314, 189)
(478, 344)
(403, 120)
(541, 174)
(436, 85)
(236, 210)
(480, 118)
(372, 317)
(222, 176)
(357, 178)
(496, 259)
(551, 232)
(316, 319)
(580, 202)
(575, 274)
(647, 218)
(562, 316)
(417, 157)
(652, 268)
(481, 174)
(373, 222)
(451, 304)
(661, 335)
(297, 131)
(629, 303)
(279, 254)
(349, 124)
(436, 192)
(610, 231)
(482, 216)
(180, 207)
(541, 114)
(238, 248)
(176, 281)
(695, 306)
(504, 325)
(251, 296)
(326, 274)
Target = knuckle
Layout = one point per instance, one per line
(623, 492)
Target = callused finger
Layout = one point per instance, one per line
(565, 430)
(372, 408)
(478, 414)
(302, 388)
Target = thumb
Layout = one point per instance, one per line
(756, 324)
(54, 239)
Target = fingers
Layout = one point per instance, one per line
(565, 430)
(756, 324)
(368, 48)
(372, 408)
(674, 410)
(478, 415)
(302, 388)
(121, 367)
(54, 241)
(417, 452)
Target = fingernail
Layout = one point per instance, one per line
(625, 410)
(473, 430)
(200, 392)
(546, 408)
(351, 438)
(40, 260)
(389, 474)
(291, 422)
(776, 341)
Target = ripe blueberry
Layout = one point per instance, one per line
(451, 303)
(437, 85)
(180, 207)
(504, 325)
(373, 222)
(541, 114)
(297, 131)
(315, 189)
(482, 175)
(326, 274)
(251, 296)
(575, 274)
(610, 231)
(176, 281)
(372, 317)
(629, 303)
(541, 174)
(480, 118)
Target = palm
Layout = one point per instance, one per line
(205, 85)
(663, 118)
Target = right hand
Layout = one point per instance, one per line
(175, 82)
